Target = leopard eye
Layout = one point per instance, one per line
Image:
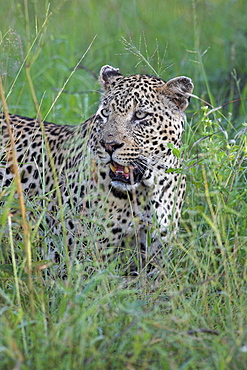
(105, 112)
(140, 114)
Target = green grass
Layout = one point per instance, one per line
(196, 317)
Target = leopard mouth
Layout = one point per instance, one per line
(128, 175)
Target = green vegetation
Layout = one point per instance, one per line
(196, 317)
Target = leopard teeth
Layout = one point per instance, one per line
(113, 168)
(126, 169)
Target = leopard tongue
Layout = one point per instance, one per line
(118, 169)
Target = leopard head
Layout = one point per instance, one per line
(136, 119)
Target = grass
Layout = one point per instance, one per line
(196, 317)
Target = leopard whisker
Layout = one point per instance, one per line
(142, 165)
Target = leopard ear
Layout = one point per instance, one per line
(108, 75)
(180, 89)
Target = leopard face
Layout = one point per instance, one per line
(137, 117)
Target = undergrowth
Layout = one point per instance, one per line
(196, 316)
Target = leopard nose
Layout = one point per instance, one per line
(111, 146)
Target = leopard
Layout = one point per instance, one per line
(117, 175)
